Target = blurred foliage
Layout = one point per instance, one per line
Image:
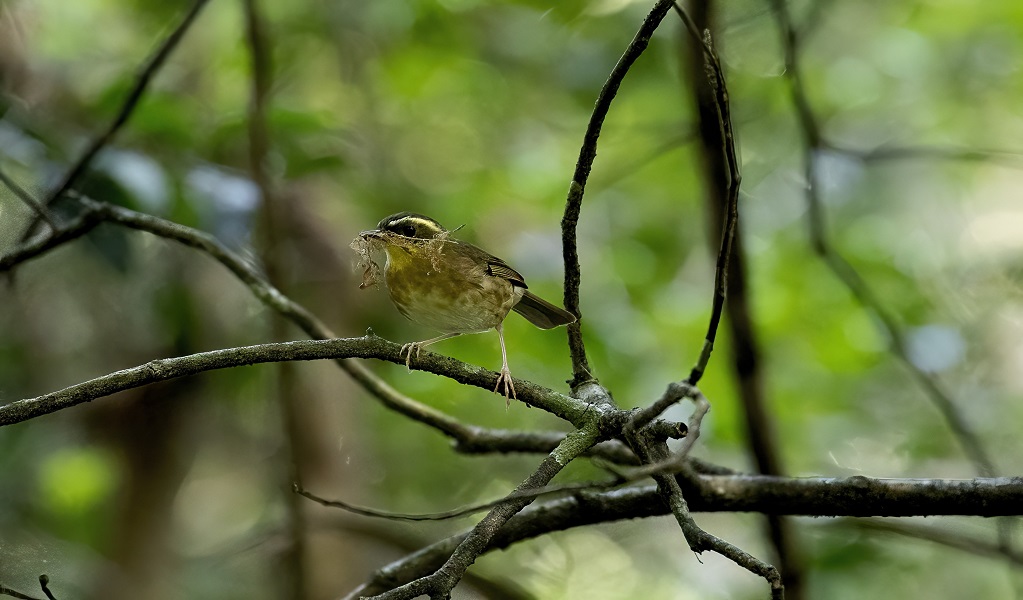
(472, 111)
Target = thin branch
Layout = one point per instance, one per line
(1005, 158)
(145, 75)
(812, 142)
(473, 439)
(573, 203)
(675, 392)
(79, 226)
(621, 479)
(44, 583)
(719, 171)
(716, 79)
(854, 496)
(368, 346)
(447, 515)
(292, 569)
(6, 591)
(41, 211)
(440, 583)
(970, 544)
(656, 452)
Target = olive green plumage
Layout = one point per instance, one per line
(455, 287)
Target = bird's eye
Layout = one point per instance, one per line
(407, 230)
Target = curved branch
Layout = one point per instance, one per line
(716, 82)
(369, 346)
(573, 204)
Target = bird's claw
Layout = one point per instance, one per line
(504, 379)
(407, 350)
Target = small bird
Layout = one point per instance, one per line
(454, 287)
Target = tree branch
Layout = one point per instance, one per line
(440, 583)
(6, 591)
(816, 497)
(720, 170)
(813, 142)
(951, 539)
(368, 346)
(656, 452)
(716, 80)
(41, 211)
(142, 80)
(573, 204)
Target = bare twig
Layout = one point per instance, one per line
(440, 583)
(447, 515)
(145, 75)
(970, 544)
(369, 346)
(700, 541)
(751, 493)
(6, 591)
(675, 392)
(1005, 158)
(719, 171)
(655, 452)
(79, 226)
(622, 478)
(812, 143)
(573, 204)
(41, 211)
(44, 583)
(292, 569)
(716, 78)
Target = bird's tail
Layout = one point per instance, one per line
(542, 313)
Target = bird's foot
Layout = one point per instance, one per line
(407, 350)
(504, 380)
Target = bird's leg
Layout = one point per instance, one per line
(504, 379)
(417, 346)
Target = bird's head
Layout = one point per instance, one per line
(409, 225)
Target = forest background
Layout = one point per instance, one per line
(473, 112)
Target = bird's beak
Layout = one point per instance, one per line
(374, 234)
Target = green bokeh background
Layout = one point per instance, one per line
(473, 112)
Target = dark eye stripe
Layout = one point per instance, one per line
(411, 226)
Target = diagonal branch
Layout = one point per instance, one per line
(142, 80)
(440, 583)
(573, 204)
(41, 211)
(656, 452)
(813, 142)
(6, 591)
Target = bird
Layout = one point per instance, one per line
(454, 287)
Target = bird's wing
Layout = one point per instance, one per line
(498, 268)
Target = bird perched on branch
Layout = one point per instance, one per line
(450, 285)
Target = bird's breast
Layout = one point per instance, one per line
(447, 295)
